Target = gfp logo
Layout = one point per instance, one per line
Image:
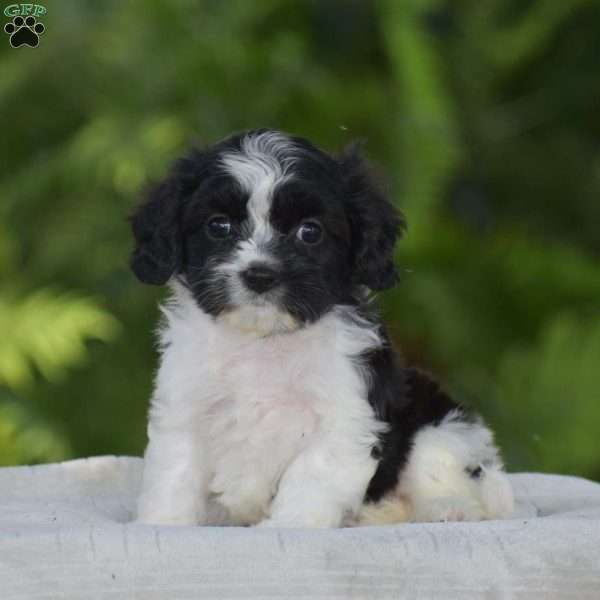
(25, 29)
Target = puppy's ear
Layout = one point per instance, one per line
(376, 224)
(156, 228)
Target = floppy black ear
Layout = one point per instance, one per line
(155, 224)
(376, 224)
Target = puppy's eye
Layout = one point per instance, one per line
(310, 232)
(218, 227)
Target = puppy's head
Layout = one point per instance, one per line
(267, 231)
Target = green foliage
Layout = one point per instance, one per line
(24, 440)
(555, 385)
(484, 115)
(47, 330)
(428, 139)
(43, 334)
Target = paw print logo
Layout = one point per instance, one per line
(24, 32)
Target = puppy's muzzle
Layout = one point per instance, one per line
(260, 278)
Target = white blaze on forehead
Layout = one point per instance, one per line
(259, 167)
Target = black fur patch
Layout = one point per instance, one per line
(474, 472)
(406, 399)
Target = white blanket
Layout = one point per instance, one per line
(64, 534)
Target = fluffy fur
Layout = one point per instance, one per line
(279, 401)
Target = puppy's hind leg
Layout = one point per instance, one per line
(453, 473)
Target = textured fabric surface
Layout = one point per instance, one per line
(64, 534)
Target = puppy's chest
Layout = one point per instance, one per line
(274, 398)
(268, 393)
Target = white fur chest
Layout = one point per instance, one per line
(257, 403)
(272, 403)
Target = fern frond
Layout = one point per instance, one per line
(47, 331)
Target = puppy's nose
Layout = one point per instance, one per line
(260, 278)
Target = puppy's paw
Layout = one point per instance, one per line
(268, 523)
(448, 508)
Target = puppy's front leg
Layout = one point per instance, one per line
(174, 481)
(325, 484)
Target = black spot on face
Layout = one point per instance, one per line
(474, 472)
(376, 453)
(218, 199)
(316, 275)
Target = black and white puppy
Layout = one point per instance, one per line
(279, 401)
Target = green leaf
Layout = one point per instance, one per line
(47, 330)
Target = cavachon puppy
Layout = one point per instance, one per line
(279, 401)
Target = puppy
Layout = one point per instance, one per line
(279, 401)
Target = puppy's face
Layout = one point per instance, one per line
(267, 232)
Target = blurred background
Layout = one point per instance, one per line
(483, 114)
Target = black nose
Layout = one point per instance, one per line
(260, 278)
